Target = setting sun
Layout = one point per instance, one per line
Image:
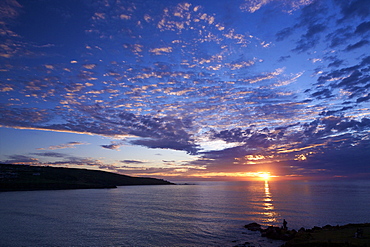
(264, 175)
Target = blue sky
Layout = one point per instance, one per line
(187, 89)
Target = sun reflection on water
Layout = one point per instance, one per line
(269, 213)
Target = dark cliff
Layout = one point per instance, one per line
(25, 177)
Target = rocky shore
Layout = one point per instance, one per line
(346, 235)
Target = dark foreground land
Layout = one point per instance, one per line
(356, 235)
(24, 177)
(347, 235)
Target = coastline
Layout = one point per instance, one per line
(344, 235)
(28, 178)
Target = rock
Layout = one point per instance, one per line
(272, 232)
(246, 244)
(253, 226)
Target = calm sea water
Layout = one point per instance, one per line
(204, 214)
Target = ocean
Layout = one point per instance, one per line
(199, 214)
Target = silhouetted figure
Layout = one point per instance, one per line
(284, 225)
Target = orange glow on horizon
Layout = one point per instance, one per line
(259, 176)
(265, 176)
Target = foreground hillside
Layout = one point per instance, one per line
(350, 235)
(24, 177)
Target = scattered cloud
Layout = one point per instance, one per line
(354, 8)
(20, 159)
(50, 154)
(133, 162)
(183, 145)
(112, 146)
(171, 75)
(286, 6)
(357, 45)
(63, 146)
(363, 28)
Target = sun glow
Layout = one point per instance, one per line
(260, 176)
(264, 175)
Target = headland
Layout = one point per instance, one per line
(25, 177)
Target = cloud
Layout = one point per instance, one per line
(66, 160)
(363, 28)
(94, 121)
(314, 131)
(329, 113)
(352, 79)
(63, 146)
(9, 10)
(357, 45)
(174, 144)
(133, 162)
(23, 116)
(206, 78)
(311, 21)
(334, 161)
(323, 94)
(362, 99)
(265, 76)
(77, 161)
(20, 159)
(292, 78)
(169, 161)
(50, 154)
(311, 38)
(161, 51)
(284, 58)
(286, 6)
(335, 63)
(310, 150)
(111, 146)
(313, 30)
(340, 36)
(284, 33)
(354, 8)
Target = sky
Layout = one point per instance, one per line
(188, 90)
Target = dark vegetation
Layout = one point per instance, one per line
(25, 177)
(350, 235)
